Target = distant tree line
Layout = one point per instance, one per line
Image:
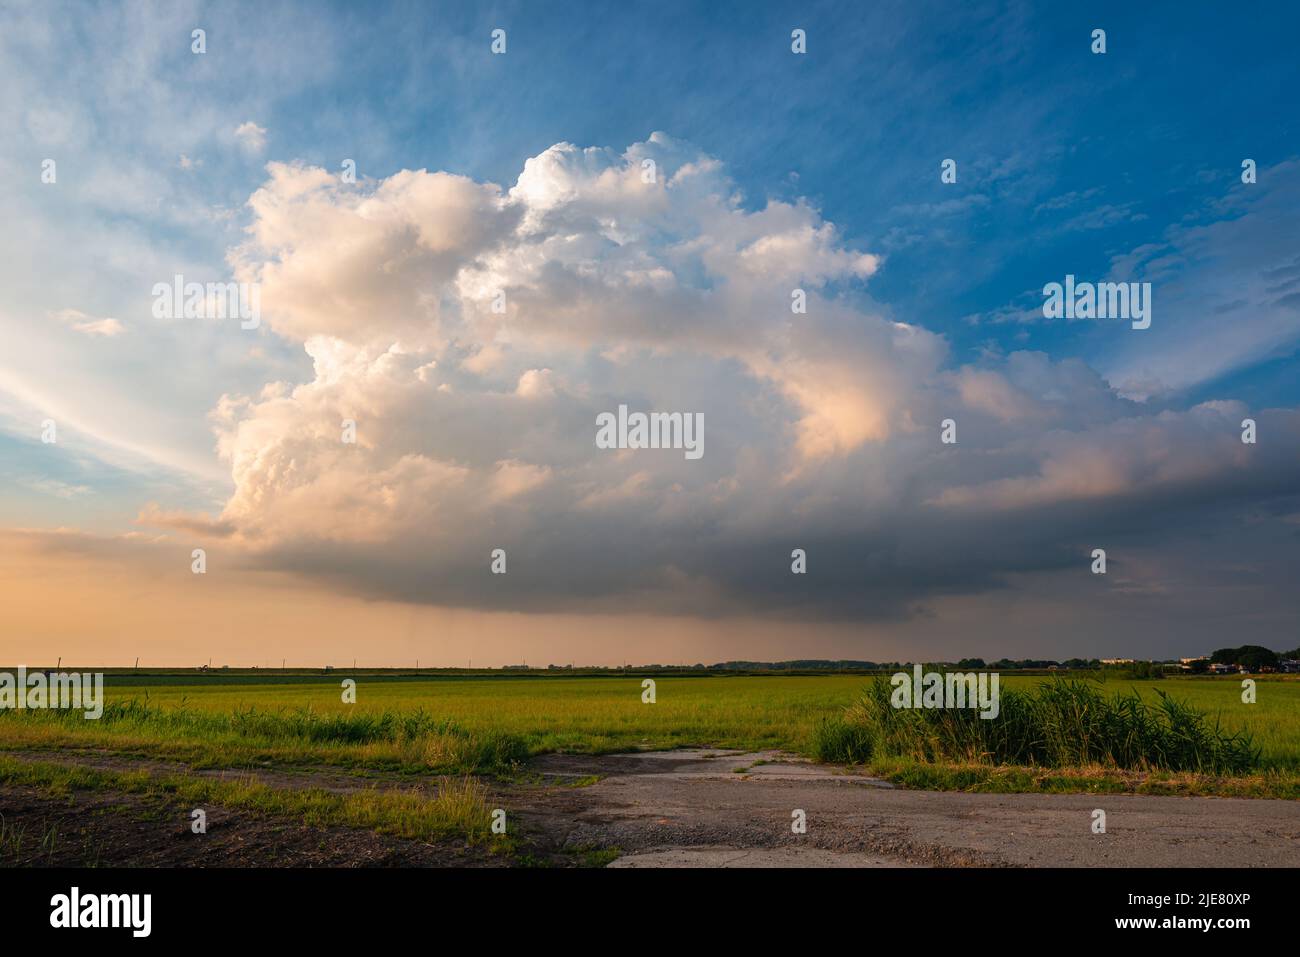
(1252, 657)
(966, 664)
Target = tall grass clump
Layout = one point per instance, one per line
(836, 740)
(1059, 723)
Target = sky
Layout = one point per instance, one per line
(501, 270)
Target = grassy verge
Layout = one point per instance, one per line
(457, 808)
(981, 777)
(395, 741)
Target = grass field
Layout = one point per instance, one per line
(426, 758)
(455, 724)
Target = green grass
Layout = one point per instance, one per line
(18, 840)
(1070, 735)
(838, 740)
(411, 740)
(1011, 779)
(1062, 723)
(456, 808)
(490, 725)
(307, 722)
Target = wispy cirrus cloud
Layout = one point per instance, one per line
(78, 321)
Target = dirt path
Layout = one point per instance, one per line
(695, 808)
(685, 808)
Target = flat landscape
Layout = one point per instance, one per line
(588, 774)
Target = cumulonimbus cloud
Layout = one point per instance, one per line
(470, 334)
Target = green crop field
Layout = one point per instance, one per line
(473, 723)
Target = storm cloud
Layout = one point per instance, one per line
(474, 333)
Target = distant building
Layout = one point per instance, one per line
(1117, 661)
(1219, 668)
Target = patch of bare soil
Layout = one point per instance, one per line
(109, 829)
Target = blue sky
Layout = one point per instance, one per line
(1151, 134)
(1124, 166)
(1148, 136)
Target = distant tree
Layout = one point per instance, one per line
(1251, 656)
(971, 664)
(1256, 658)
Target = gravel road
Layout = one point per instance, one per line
(732, 809)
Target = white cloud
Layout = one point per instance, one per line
(88, 325)
(473, 333)
(666, 295)
(536, 383)
(251, 136)
(1226, 290)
